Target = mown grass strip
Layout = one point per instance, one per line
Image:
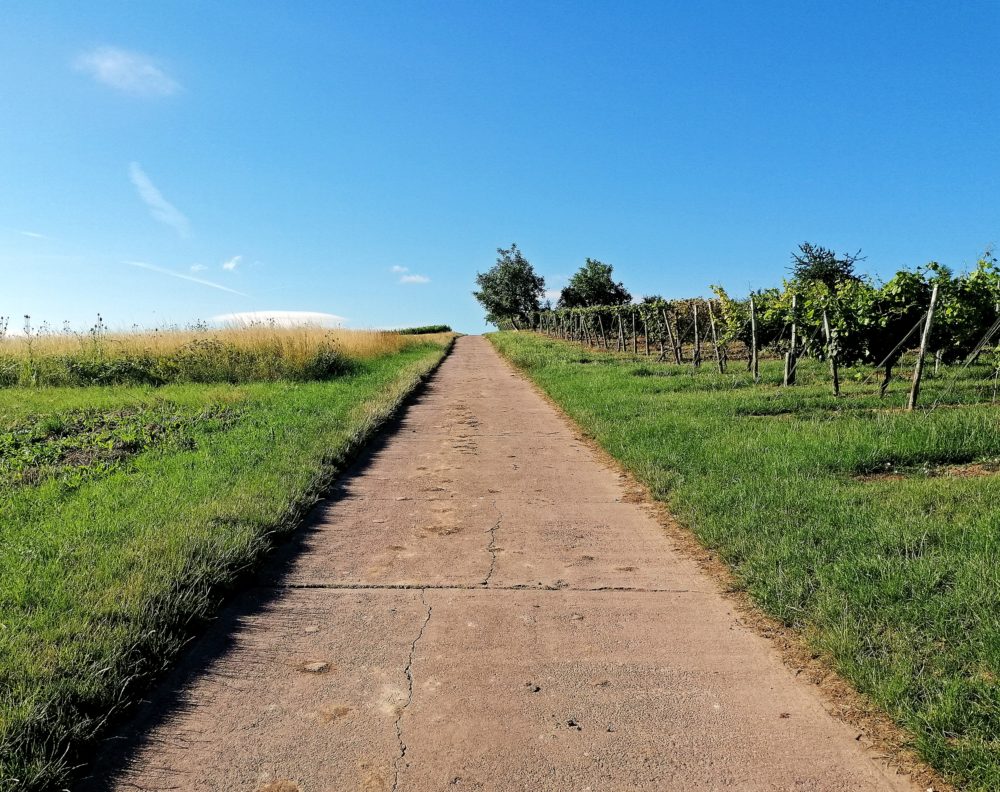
(103, 578)
(895, 581)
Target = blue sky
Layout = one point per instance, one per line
(366, 159)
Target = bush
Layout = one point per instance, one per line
(426, 329)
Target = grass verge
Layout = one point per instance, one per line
(894, 579)
(140, 507)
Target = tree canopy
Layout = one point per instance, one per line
(817, 264)
(592, 284)
(511, 290)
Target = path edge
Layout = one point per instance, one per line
(95, 745)
(883, 738)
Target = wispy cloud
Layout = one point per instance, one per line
(33, 234)
(553, 294)
(198, 268)
(182, 276)
(129, 72)
(159, 207)
(282, 318)
(408, 278)
(232, 264)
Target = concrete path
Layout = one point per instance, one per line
(480, 609)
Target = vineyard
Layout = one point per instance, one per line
(838, 318)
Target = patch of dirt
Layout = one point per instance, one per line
(971, 470)
(966, 470)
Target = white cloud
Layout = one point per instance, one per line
(159, 207)
(281, 318)
(398, 269)
(33, 234)
(232, 264)
(553, 294)
(182, 276)
(198, 268)
(129, 72)
(414, 279)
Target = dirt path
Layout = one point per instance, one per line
(479, 609)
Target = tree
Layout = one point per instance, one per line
(592, 284)
(817, 264)
(511, 290)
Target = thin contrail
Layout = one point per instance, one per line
(172, 274)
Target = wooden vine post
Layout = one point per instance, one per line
(670, 332)
(604, 336)
(715, 340)
(620, 346)
(673, 333)
(918, 370)
(790, 354)
(831, 352)
(645, 333)
(634, 339)
(696, 358)
(754, 361)
(663, 352)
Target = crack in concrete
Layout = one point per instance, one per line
(409, 693)
(491, 548)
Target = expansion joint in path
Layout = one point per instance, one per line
(479, 587)
(401, 758)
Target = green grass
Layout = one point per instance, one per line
(126, 512)
(896, 581)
